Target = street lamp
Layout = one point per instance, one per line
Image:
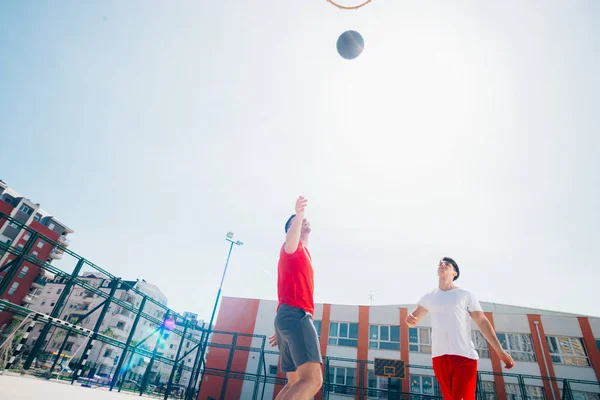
(229, 238)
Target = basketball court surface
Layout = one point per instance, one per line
(24, 387)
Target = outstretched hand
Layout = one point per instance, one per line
(300, 207)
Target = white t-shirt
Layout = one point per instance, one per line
(451, 322)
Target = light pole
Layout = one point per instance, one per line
(229, 238)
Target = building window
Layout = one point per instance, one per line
(23, 272)
(25, 210)
(419, 340)
(513, 391)
(58, 291)
(518, 345)
(422, 384)
(121, 325)
(26, 236)
(343, 334)
(567, 350)
(43, 302)
(384, 337)
(20, 247)
(318, 324)
(13, 225)
(52, 304)
(378, 386)
(481, 345)
(41, 244)
(187, 345)
(35, 254)
(51, 226)
(598, 344)
(37, 217)
(342, 379)
(171, 346)
(69, 346)
(272, 370)
(107, 353)
(13, 288)
(488, 390)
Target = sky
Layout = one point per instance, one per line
(466, 130)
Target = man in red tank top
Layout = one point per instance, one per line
(295, 333)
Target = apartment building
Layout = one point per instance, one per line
(30, 277)
(117, 323)
(542, 342)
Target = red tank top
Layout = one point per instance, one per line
(295, 279)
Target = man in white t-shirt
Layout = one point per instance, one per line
(453, 353)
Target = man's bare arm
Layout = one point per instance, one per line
(292, 237)
(413, 318)
(488, 332)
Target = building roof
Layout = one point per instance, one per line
(487, 306)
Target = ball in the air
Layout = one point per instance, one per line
(350, 44)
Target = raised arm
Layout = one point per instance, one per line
(293, 234)
(488, 332)
(413, 318)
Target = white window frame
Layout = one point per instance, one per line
(420, 380)
(13, 288)
(380, 384)
(526, 353)
(24, 209)
(488, 389)
(341, 388)
(513, 392)
(421, 346)
(375, 338)
(26, 236)
(334, 337)
(559, 357)
(481, 345)
(51, 226)
(23, 272)
(41, 244)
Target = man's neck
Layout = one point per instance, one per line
(446, 284)
(304, 240)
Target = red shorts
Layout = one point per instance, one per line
(457, 376)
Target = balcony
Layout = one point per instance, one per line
(64, 241)
(38, 283)
(29, 298)
(56, 254)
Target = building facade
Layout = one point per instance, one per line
(29, 278)
(543, 343)
(117, 323)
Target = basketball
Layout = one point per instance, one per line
(350, 45)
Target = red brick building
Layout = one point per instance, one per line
(30, 279)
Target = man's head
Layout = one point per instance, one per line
(447, 267)
(305, 225)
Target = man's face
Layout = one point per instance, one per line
(305, 226)
(445, 269)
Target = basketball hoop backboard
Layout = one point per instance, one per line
(389, 368)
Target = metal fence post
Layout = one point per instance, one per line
(229, 361)
(81, 364)
(185, 327)
(151, 363)
(127, 344)
(55, 313)
(16, 264)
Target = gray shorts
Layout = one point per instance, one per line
(297, 338)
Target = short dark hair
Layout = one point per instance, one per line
(454, 264)
(289, 223)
